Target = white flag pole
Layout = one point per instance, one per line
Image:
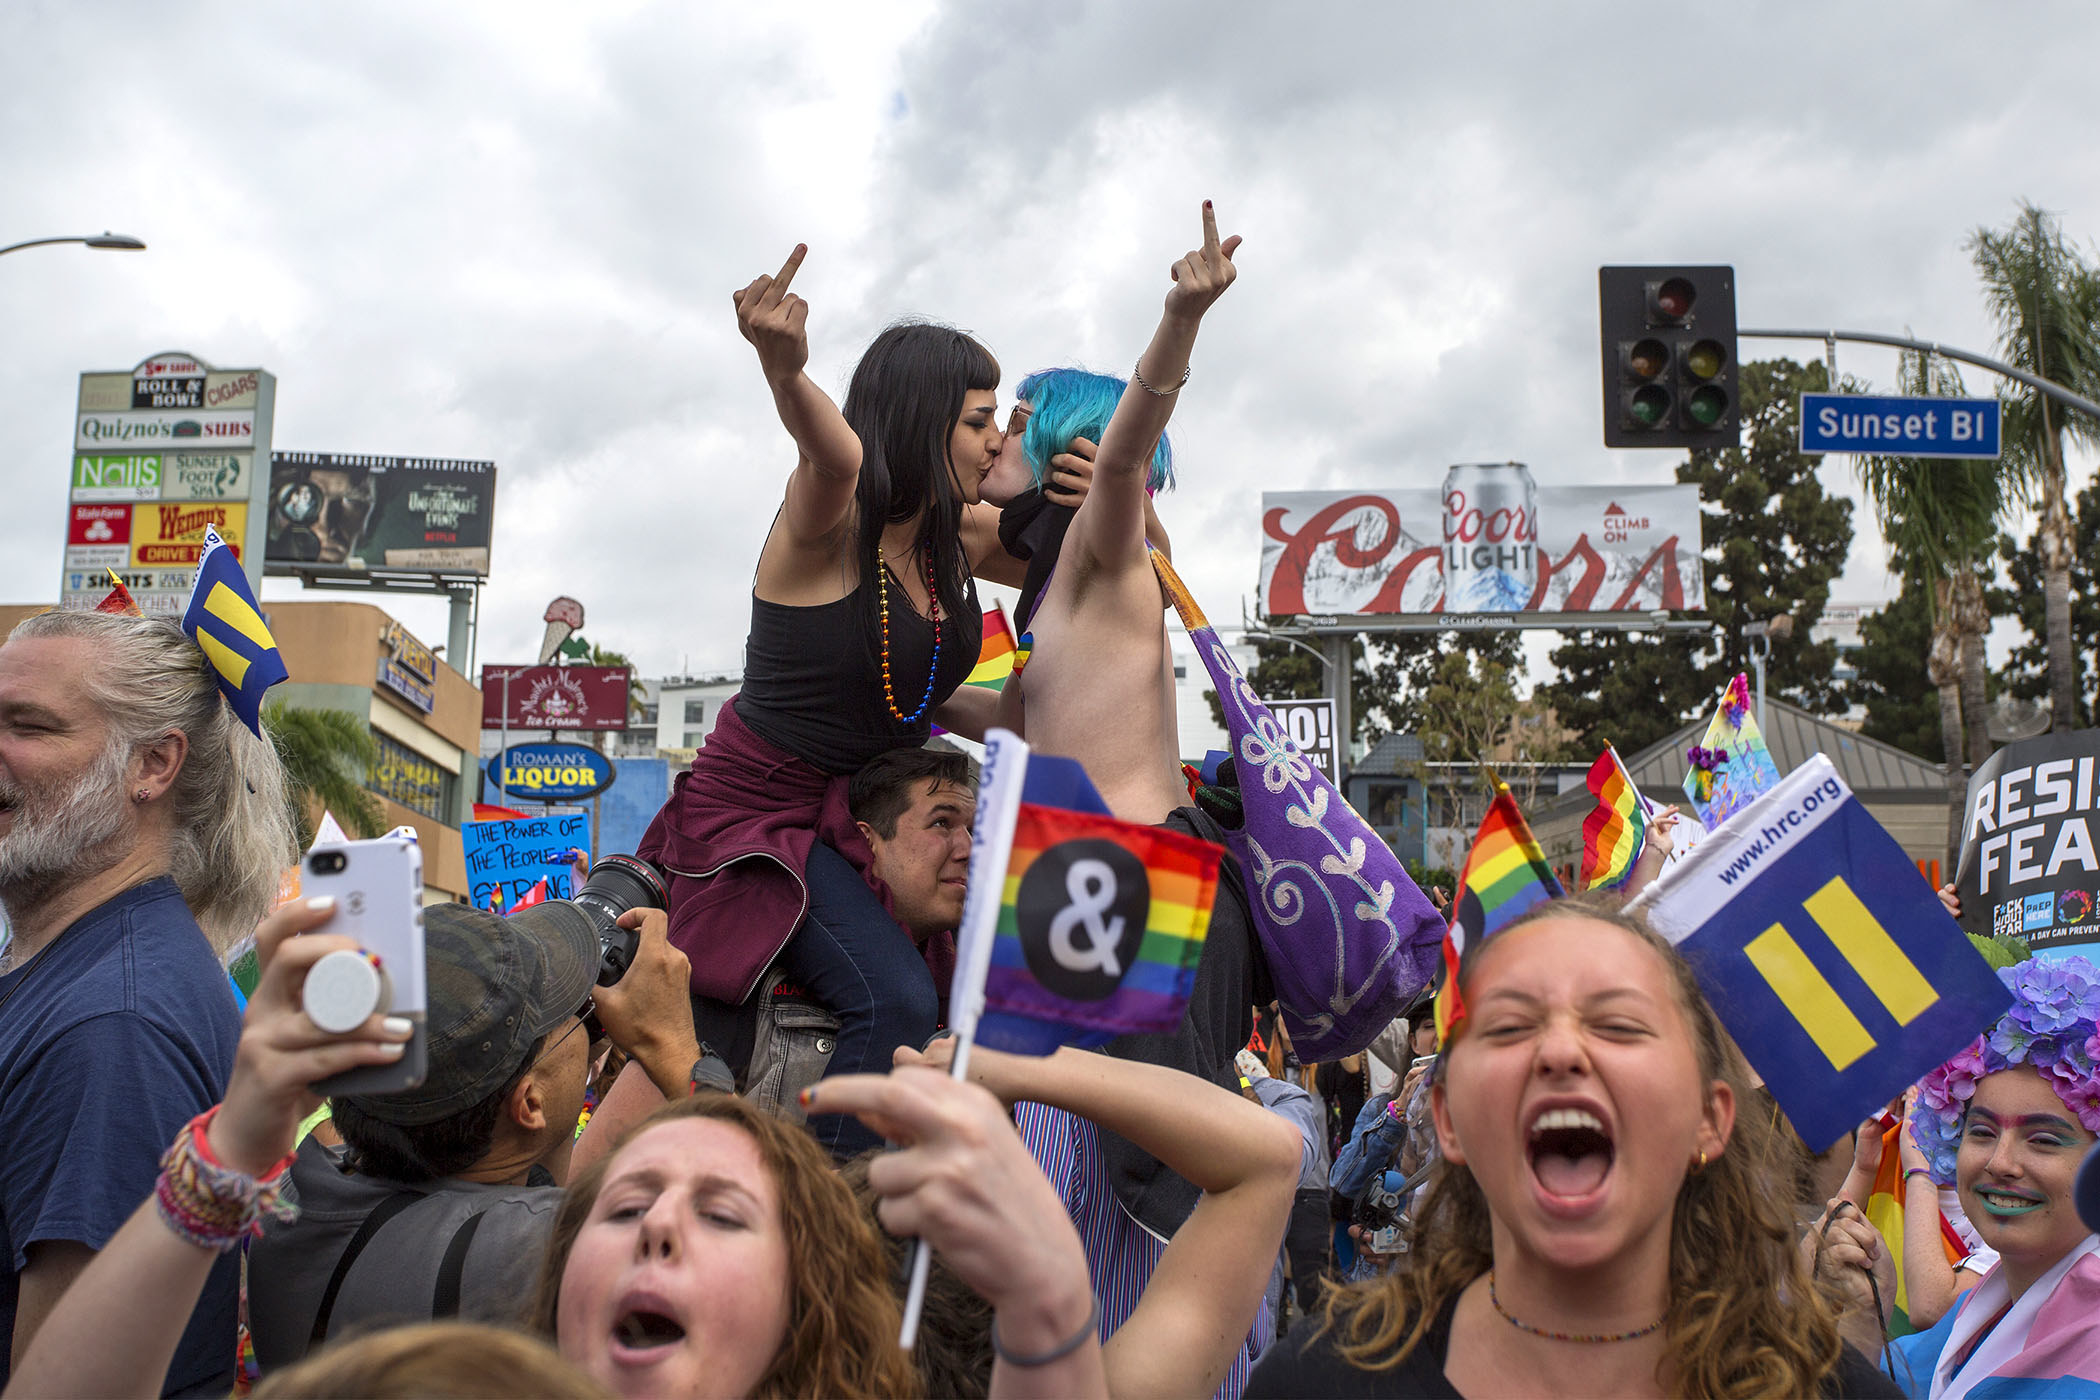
(991, 843)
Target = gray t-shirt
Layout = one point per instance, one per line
(395, 1276)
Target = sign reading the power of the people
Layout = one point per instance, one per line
(553, 772)
(510, 857)
(2029, 863)
(1894, 427)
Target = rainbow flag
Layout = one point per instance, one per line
(1078, 927)
(1613, 834)
(995, 655)
(118, 600)
(1885, 1214)
(1505, 874)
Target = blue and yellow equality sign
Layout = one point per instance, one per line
(1833, 965)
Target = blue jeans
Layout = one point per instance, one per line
(852, 956)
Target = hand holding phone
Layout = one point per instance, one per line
(377, 887)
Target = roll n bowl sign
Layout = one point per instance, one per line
(553, 772)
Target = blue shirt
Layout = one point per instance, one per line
(122, 1031)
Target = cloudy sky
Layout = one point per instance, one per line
(510, 231)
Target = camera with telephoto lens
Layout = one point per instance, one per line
(1379, 1211)
(615, 885)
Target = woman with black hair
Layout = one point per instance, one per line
(864, 620)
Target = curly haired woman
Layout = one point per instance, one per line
(1604, 1224)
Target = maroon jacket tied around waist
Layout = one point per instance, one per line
(733, 842)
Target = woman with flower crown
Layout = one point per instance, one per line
(2008, 1121)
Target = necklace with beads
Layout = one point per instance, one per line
(1522, 1326)
(882, 596)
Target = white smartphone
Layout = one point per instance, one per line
(378, 891)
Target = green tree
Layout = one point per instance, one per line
(326, 755)
(2045, 296)
(2026, 672)
(1774, 539)
(1891, 678)
(1471, 713)
(1940, 519)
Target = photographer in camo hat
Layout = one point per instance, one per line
(440, 1198)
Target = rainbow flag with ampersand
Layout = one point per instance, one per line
(1505, 874)
(1100, 924)
(1613, 833)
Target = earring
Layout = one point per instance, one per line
(1700, 1165)
(139, 796)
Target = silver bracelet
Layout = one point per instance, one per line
(1136, 372)
(1057, 1353)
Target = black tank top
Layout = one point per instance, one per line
(813, 676)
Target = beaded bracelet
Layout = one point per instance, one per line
(212, 1205)
(1910, 1172)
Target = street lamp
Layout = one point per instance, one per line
(1764, 632)
(105, 239)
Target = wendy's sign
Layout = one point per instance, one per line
(1559, 548)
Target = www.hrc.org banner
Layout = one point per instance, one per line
(1833, 965)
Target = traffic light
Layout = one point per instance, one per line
(1669, 356)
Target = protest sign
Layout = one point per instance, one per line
(509, 857)
(1834, 966)
(2029, 866)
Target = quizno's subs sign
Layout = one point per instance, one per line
(2029, 865)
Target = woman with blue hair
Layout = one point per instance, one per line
(1051, 439)
(2008, 1121)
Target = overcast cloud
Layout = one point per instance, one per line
(510, 232)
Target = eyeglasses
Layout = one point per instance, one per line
(1017, 422)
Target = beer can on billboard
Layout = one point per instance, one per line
(1491, 537)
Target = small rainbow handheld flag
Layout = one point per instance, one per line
(222, 618)
(995, 656)
(1084, 927)
(1505, 874)
(1885, 1212)
(1613, 834)
(118, 600)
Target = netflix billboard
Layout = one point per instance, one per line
(554, 697)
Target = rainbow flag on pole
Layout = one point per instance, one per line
(1613, 834)
(1885, 1213)
(1098, 924)
(995, 655)
(1505, 874)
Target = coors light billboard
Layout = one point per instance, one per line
(1492, 540)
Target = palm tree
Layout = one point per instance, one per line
(2045, 296)
(326, 755)
(1940, 521)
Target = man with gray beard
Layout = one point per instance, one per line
(136, 812)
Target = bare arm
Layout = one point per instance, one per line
(54, 1267)
(1196, 1309)
(969, 711)
(1930, 1283)
(827, 466)
(1110, 524)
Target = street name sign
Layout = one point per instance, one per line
(1899, 427)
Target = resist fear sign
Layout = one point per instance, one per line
(2030, 866)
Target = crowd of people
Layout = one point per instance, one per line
(703, 1178)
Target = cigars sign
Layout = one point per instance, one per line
(1490, 541)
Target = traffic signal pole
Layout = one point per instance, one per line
(2033, 381)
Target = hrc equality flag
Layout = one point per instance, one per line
(995, 655)
(1078, 928)
(1612, 834)
(1833, 965)
(226, 624)
(1505, 874)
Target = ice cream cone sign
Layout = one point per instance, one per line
(564, 615)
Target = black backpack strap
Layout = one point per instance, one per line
(444, 1298)
(386, 1210)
